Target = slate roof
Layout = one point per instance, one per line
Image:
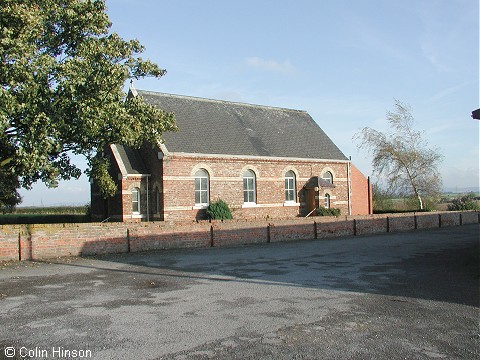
(130, 159)
(222, 127)
(316, 181)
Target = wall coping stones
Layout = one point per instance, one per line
(43, 241)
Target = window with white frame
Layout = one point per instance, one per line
(327, 176)
(290, 186)
(201, 187)
(136, 201)
(249, 187)
(327, 201)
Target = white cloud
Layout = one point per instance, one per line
(271, 65)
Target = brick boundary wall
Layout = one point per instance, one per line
(44, 241)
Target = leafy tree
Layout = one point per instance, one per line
(62, 75)
(9, 196)
(402, 156)
(9, 184)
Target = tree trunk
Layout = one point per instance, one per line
(420, 202)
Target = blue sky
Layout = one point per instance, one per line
(344, 62)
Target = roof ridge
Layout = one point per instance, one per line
(218, 101)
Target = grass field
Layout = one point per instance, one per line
(47, 215)
(394, 205)
(52, 210)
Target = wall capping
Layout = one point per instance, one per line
(44, 241)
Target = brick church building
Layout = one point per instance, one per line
(264, 162)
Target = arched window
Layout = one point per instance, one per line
(290, 186)
(136, 201)
(327, 176)
(327, 201)
(249, 186)
(201, 187)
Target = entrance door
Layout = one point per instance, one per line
(310, 201)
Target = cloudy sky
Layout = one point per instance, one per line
(342, 61)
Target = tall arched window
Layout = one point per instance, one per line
(249, 185)
(290, 186)
(136, 201)
(327, 176)
(201, 187)
(327, 201)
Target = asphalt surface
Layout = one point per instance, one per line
(411, 295)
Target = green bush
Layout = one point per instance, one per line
(467, 202)
(321, 211)
(219, 210)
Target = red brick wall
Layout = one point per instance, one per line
(427, 221)
(160, 235)
(332, 228)
(362, 195)
(173, 176)
(125, 188)
(398, 223)
(470, 217)
(449, 219)
(24, 242)
(9, 242)
(57, 240)
(287, 230)
(371, 225)
(234, 232)
(226, 184)
(50, 241)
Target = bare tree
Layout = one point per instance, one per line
(402, 156)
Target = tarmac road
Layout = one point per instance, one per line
(412, 295)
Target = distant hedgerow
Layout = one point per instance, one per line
(467, 202)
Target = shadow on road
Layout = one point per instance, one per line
(440, 265)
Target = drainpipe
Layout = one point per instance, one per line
(370, 205)
(349, 188)
(148, 203)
